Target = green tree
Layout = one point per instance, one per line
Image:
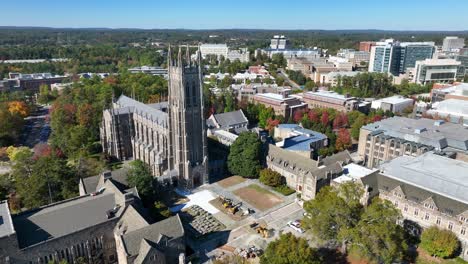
(244, 155)
(279, 60)
(271, 178)
(43, 180)
(439, 243)
(331, 215)
(289, 249)
(377, 236)
(139, 176)
(44, 94)
(356, 126)
(264, 114)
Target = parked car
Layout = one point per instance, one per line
(296, 226)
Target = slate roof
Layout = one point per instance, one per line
(119, 178)
(62, 218)
(434, 173)
(229, 119)
(151, 111)
(300, 164)
(170, 228)
(419, 195)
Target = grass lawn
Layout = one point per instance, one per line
(262, 199)
(231, 181)
(424, 258)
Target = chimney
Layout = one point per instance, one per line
(107, 175)
(129, 198)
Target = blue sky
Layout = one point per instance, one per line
(211, 14)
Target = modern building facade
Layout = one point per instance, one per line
(452, 44)
(436, 70)
(397, 136)
(395, 57)
(279, 43)
(170, 137)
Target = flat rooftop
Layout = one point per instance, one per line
(353, 172)
(434, 173)
(63, 218)
(396, 99)
(438, 134)
(329, 94)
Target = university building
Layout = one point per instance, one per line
(170, 137)
(105, 224)
(397, 136)
(430, 190)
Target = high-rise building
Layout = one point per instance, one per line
(395, 57)
(380, 57)
(170, 136)
(453, 43)
(279, 43)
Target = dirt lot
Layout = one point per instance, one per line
(231, 181)
(261, 198)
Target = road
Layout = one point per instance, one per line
(36, 128)
(283, 74)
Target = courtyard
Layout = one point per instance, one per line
(258, 197)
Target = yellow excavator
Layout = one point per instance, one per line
(234, 208)
(261, 229)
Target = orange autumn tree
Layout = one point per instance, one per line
(343, 140)
(18, 107)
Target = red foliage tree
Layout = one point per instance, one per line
(42, 150)
(341, 120)
(313, 116)
(325, 118)
(343, 140)
(298, 116)
(376, 118)
(271, 123)
(85, 114)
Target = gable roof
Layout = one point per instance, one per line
(63, 218)
(170, 227)
(152, 111)
(229, 119)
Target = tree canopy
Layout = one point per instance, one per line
(289, 249)
(139, 176)
(244, 155)
(439, 243)
(371, 232)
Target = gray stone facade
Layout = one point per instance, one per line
(89, 229)
(170, 137)
(429, 190)
(306, 176)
